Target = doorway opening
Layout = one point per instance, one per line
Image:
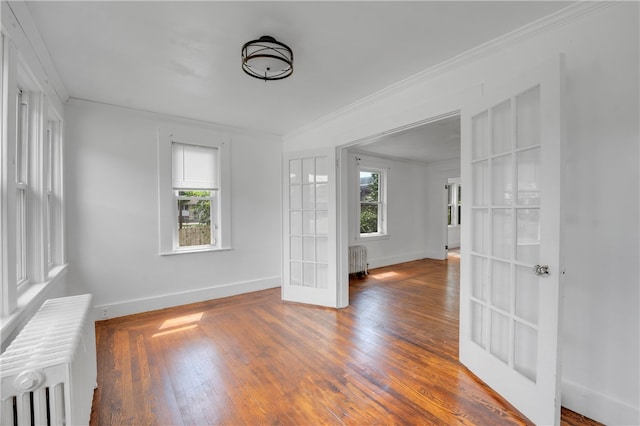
(417, 162)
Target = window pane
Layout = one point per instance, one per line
(502, 233)
(49, 156)
(322, 169)
(480, 238)
(49, 216)
(501, 285)
(369, 186)
(525, 351)
(296, 248)
(194, 218)
(502, 181)
(21, 235)
(480, 182)
(501, 127)
(499, 339)
(479, 137)
(528, 118)
(295, 172)
(22, 128)
(368, 218)
(308, 170)
(528, 171)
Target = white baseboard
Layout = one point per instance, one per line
(597, 406)
(379, 262)
(129, 307)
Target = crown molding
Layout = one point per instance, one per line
(20, 26)
(185, 121)
(555, 20)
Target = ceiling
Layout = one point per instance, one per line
(428, 143)
(183, 58)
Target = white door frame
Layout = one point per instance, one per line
(459, 100)
(441, 109)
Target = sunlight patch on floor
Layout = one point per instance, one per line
(384, 275)
(181, 323)
(178, 321)
(175, 330)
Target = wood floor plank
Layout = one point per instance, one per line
(391, 357)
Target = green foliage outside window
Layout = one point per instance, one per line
(194, 227)
(369, 205)
(200, 212)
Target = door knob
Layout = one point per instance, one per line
(541, 269)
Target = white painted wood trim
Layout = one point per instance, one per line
(135, 306)
(379, 262)
(598, 406)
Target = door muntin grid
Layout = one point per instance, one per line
(308, 222)
(505, 240)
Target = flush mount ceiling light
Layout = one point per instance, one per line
(267, 59)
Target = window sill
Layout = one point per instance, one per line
(373, 237)
(28, 302)
(191, 251)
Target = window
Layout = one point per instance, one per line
(454, 201)
(192, 173)
(372, 201)
(195, 186)
(22, 170)
(32, 250)
(53, 192)
(49, 191)
(31, 161)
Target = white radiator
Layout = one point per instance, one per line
(358, 260)
(49, 371)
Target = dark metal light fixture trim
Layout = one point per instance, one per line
(267, 59)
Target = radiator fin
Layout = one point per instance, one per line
(358, 260)
(49, 371)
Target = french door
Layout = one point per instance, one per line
(309, 227)
(511, 248)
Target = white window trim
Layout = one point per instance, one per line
(19, 299)
(166, 209)
(454, 183)
(372, 166)
(54, 227)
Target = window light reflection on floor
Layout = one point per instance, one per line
(185, 322)
(175, 330)
(384, 275)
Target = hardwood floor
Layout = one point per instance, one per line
(389, 358)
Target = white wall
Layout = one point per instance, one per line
(439, 174)
(601, 376)
(406, 213)
(112, 215)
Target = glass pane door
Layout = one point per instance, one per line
(506, 242)
(511, 245)
(309, 229)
